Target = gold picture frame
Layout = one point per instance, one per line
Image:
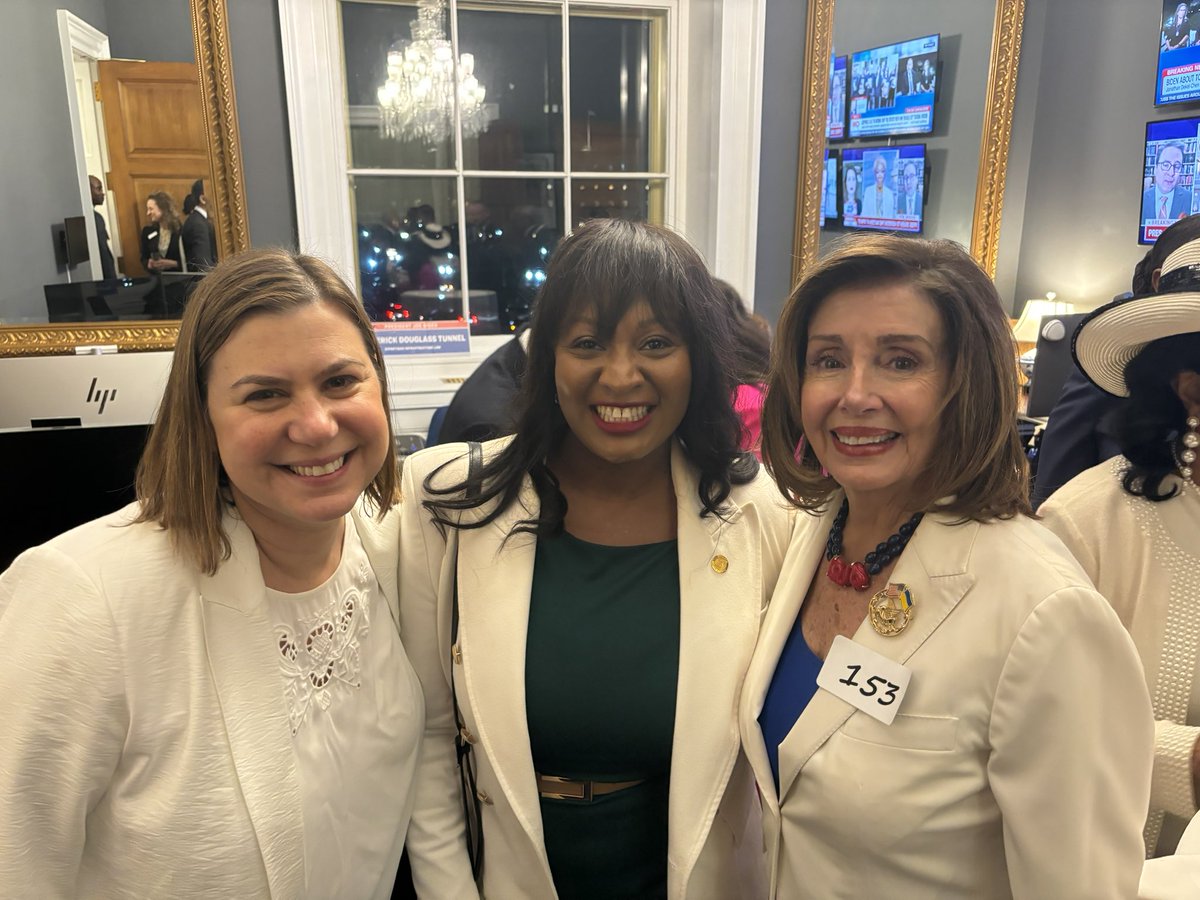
(210, 31)
(993, 152)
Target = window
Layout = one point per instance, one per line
(458, 199)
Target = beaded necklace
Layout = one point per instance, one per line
(858, 574)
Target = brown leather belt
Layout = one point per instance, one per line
(556, 788)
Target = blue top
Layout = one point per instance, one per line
(792, 686)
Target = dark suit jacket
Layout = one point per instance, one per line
(482, 408)
(199, 242)
(150, 246)
(1072, 441)
(107, 266)
(1181, 203)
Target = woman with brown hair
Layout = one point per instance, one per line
(204, 694)
(940, 703)
(160, 241)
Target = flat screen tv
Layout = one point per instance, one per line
(892, 88)
(829, 185)
(883, 188)
(1168, 174)
(1178, 52)
(835, 106)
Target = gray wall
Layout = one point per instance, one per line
(783, 75)
(38, 185)
(164, 36)
(1078, 220)
(262, 118)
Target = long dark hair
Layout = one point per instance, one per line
(606, 267)
(1147, 426)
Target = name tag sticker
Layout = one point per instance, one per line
(864, 679)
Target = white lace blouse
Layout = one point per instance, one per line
(357, 715)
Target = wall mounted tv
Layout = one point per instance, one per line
(835, 106)
(1178, 52)
(1168, 175)
(893, 195)
(892, 88)
(829, 186)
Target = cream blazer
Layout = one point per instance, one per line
(145, 749)
(1019, 762)
(1145, 558)
(714, 839)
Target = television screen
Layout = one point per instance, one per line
(892, 88)
(1168, 170)
(835, 107)
(1178, 52)
(883, 188)
(829, 185)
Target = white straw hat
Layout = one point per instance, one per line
(1114, 334)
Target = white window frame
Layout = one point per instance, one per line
(722, 67)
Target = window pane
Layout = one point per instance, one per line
(617, 114)
(378, 49)
(518, 61)
(513, 226)
(408, 262)
(635, 199)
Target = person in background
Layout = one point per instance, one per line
(599, 577)
(910, 200)
(160, 241)
(851, 202)
(940, 704)
(199, 236)
(1167, 198)
(1077, 431)
(482, 407)
(752, 361)
(1132, 521)
(878, 199)
(107, 265)
(1176, 33)
(204, 694)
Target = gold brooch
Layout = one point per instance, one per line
(891, 609)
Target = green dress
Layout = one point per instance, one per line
(601, 667)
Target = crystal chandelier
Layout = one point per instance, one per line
(417, 100)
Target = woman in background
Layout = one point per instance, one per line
(204, 694)
(160, 241)
(851, 205)
(597, 582)
(940, 704)
(1133, 521)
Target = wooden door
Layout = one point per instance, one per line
(154, 125)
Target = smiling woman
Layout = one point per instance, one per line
(252, 585)
(597, 657)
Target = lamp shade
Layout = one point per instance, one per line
(1029, 325)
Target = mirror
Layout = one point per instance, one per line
(208, 25)
(964, 174)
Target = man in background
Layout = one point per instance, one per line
(1166, 198)
(910, 200)
(199, 236)
(107, 264)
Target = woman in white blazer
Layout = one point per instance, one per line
(596, 583)
(1133, 521)
(940, 704)
(204, 694)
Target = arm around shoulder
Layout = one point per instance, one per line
(1072, 748)
(64, 712)
(437, 833)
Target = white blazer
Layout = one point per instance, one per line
(145, 748)
(1019, 763)
(714, 838)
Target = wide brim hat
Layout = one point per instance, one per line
(1107, 340)
(433, 235)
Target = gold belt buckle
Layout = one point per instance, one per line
(583, 789)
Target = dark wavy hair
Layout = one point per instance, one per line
(1147, 426)
(752, 337)
(978, 459)
(605, 267)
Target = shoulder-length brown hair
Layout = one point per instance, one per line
(166, 206)
(180, 478)
(978, 460)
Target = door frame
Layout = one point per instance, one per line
(77, 38)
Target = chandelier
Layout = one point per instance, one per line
(417, 100)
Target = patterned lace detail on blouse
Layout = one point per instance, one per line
(321, 657)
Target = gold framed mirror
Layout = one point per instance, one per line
(998, 107)
(210, 32)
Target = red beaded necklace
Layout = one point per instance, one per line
(858, 574)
